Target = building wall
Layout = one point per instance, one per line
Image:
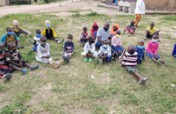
(161, 4)
(2, 2)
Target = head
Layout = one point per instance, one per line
(1, 48)
(11, 46)
(118, 32)
(132, 23)
(95, 26)
(106, 26)
(115, 28)
(107, 42)
(91, 39)
(15, 23)
(43, 41)
(84, 29)
(141, 43)
(152, 24)
(69, 37)
(155, 38)
(38, 33)
(48, 24)
(131, 49)
(9, 31)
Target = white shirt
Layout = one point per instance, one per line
(106, 49)
(42, 51)
(89, 47)
(37, 40)
(140, 7)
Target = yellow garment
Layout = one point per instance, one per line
(52, 30)
(16, 29)
(152, 31)
(11, 39)
(118, 36)
(137, 19)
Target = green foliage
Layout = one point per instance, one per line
(19, 2)
(48, 1)
(170, 18)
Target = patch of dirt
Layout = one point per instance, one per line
(102, 79)
(43, 93)
(80, 111)
(57, 7)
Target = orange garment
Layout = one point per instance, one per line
(114, 32)
(137, 19)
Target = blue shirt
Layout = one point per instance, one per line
(69, 46)
(104, 35)
(4, 37)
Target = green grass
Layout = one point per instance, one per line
(71, 90)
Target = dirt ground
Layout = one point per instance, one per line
(59, 9)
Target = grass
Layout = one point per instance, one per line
(71, 90)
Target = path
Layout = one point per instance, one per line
(55, 7)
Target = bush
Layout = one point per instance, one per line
(19, 2)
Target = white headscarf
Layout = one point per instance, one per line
(15, 23)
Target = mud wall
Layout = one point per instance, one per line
(161, 4)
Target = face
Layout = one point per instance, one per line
(91, 39)
(115, 28)
(12, 47)
(141, 43)
(43, 42)
(85, 30)
(152, 25)
(106, 43)
(69, 39)
(95, 27)
(48, 25)
(106, 26)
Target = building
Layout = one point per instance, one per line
(169, 5)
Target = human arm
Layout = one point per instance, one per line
(54, 32)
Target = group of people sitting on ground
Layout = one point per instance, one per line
(106, 46)
(101, 46)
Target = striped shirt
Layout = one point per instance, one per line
(129, 59)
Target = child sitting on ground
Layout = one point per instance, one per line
(104, 52)
(15, 60)
(151, 31)
(36, 40)
(131, 28)
(50, 33)
(140, 49)
(89, 50)
(68, 48)
(152, 50)
(115, 28)
(16, 28)
(83, 36)
(116, 44)
(4, 68)
(174, 51)
(129, 61)
(94, 29)
(43, 53)
(10, 36)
